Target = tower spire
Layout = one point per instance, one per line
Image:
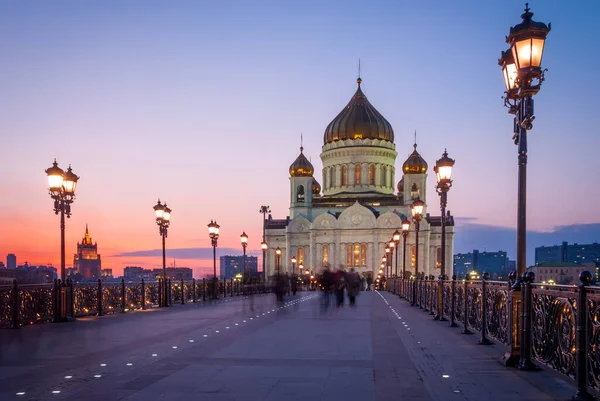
(301, 147)
(86, 228)
(415, 145)
(359, 79)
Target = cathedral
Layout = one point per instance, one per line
(348, 221)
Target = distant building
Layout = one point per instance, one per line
(234, 265)
(2, 265)
(106, 273)
(87, 260)
(562, 273)
(575, 253)
(27, 274)
(137, 273)
(11, 261)
(494, 263)
(179, 273)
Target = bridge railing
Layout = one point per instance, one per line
(25, 304)
(483, 306)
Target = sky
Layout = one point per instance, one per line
(202, 103)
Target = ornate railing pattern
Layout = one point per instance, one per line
(497, 310)
(593, 316)
(22, 305)
(553, 323)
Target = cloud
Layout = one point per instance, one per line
(187, 253)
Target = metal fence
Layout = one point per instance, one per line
(25, 304)
(550, 312)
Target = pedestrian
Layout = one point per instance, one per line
(340, 286)
(353, 283)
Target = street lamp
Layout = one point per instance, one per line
(443, 175)
(163, 219)
(62, 190)
(277, 256)
(405, 229)
(264, 210)
(392, 246)
(293, 264)
(417, 214)
(396, 238)
(264, 246)
(387, 258)
(523, 76)
(213, 233)
(244, 240)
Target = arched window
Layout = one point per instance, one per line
(300, 256)
(414, 191)
(325, 257)
(331, 177)
(371, 175)
(300, 193)
(344, 175)
(349, 257)
(413, 255)
(363, 255)
(356, 255)
(357, 174)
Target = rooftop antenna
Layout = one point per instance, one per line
(359, 79)
(301, 147)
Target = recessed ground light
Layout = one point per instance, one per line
(174, 347)
(97, 376)
(68, 377)
(445, 376)
(103, 364)
(206, 335)
(129, 364)
(55, 391)
(236, 324)
(191, 341)
(227, 327)
(21, 393)
(154, 354)
(216, 331)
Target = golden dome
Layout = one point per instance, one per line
(415, 164)
(301, 167)
(358, 120)
(316, 187)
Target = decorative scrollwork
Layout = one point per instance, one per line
(474, 301)
(553, 327)
(111, 297)
(133, 296)
(6, 307)
(447, 295)
(497, 310)
(460, 299)
(593, 316)
(85, 299)
(36, 304)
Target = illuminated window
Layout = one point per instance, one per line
(300, 256)
(357, 174)
(325, 258)
(363, 255)
(356, 255)
(438, 259)
(344, 175)
(349, 257)
(413, 255)
(371, 175)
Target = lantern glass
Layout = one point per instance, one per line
(392, 244)
(528, 52)
(509, 71)
(278, 251)
(397, 235)
(264, 245)
(294, 259)
(405, 225)
(417, 208)
(166, 214)
(69, 182)
(159, 210)
(55, 177)
(244, 238)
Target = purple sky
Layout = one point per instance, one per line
(202, 104)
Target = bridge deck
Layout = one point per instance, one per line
(293, 353)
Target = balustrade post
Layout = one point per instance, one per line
(453, 302)
(169, 288)
(122, 295)
(581, 339)
(160, 292)
(484, 340)
(466, 309)
(71, 300)
(204, 289)
(15, 305)
(511, 358)
(431, 295)
(231, 288)
(99, 308)
(143, 295)
(525, 362)
(425, 284)
(182, 293)
(193, 290)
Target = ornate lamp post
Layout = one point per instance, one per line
(293, 260)
(244, 240)
(163, 219)
(392, 246)
(62, 190)
(264, 210)
(277, 257)
(443, 175)
(387, 258)
(417, 214)
(405, 228)
(213, 233)
(523, 76)
(264, 246)
(396, 238)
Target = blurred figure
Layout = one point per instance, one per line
(369, 282)
(294, 284)
(327, 283)
(353, 283)
(340, 286)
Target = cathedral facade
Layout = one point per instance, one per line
(349, 220)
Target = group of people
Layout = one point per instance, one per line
(337, 283)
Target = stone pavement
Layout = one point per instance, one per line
(381, 350)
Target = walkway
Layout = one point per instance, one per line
(382, 350)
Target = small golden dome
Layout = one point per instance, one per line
(316, 187)
(415, 164)
(401, 185)
(301, 167)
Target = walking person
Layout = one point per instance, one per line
(340, 286)
(327, 283)
(353, 283)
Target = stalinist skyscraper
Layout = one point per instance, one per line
(87, 260)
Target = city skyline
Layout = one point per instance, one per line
(193, 115)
